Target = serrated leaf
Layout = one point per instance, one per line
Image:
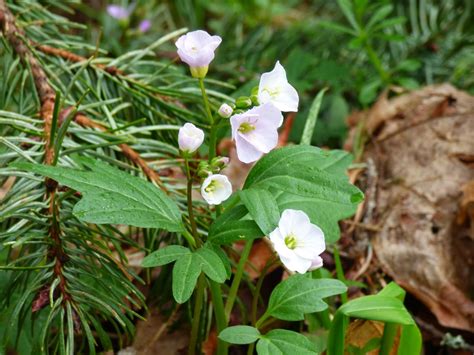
(285, 342)
(186, 271)
(298, 295)
(211, 264)
(165, 256)
(112, 196)
(240, 334)
(263, 208)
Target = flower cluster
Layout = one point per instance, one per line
(254, 124)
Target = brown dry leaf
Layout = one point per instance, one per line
(466, 209)
(260, 255)
(154, 337)
(415, 148)
(361, 331)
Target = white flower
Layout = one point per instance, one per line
(256, 131)
(225, 111)
(216, 188)
(190, 138)
(197, 50)
(274, 88)
(298, 242)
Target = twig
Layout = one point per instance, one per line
(72, 57)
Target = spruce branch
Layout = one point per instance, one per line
(47, 96)
(128, 151)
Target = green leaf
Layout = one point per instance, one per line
(408, 83)
(229, 227)
(285, 342)
(408, 65)
(347, 10)
(368, 92)
(298, 295)
(240, 334)
(381, 13)
(379, 308)
(211, 264)
(393, 290)
(165, 256)
(111, 196)
(311, 180)
(312, 118)
(186, 271)
(263, 208)
(336, 27)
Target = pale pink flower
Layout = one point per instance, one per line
(256, 131)
(274, 88)
(298, 242)
(197, 50)
(216, 189)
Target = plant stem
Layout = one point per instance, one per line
(189, 192)
(205, 99)
(376, 62)
(257, 294)
(339, 272)
(237, 278)
(213, 133)
(388, 337)
(197, 315)
(221, 321)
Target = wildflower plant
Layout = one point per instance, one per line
(63, 241)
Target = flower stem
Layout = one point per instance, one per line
(221, 321)
(256, 295)
(189, 192)
(237, 278)
(339, 272)
(376, 62)
(197, 315)
(213, 133)
(388, 337)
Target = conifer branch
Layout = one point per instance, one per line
(47, 96)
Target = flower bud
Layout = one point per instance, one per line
(190, 138)
(204, 169)
(225, 111)
(243, 102)
(254, 99)
(219, 163)
(254, 91)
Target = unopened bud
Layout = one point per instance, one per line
(219, 163)
(225, 111)
(243, 102)
(254, 99)
(254, 91)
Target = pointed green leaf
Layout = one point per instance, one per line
(240, 334)
(114, 197)
(283, 342)
(165, 256)
(186, 271)
(298, 295)
(263, 208)
(211, 264)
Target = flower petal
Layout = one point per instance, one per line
(246, 152)
(295, 263)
